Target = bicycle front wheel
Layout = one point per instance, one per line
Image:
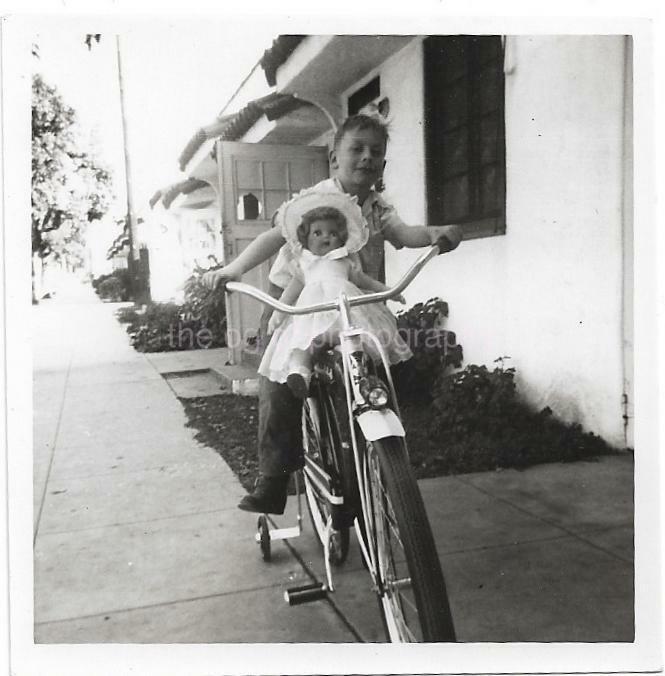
(412, 590)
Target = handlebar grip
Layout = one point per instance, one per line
(444, 244)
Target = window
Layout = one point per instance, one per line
(366, 94)
(465, 133)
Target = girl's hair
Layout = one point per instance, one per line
(322, 214)
(360, 123)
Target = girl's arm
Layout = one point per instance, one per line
(416, 236)
(260, 249)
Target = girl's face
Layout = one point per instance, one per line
(323, 237)
(358, 160)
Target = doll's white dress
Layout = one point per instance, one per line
(325, 277)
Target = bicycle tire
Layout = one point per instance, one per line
(322, 446)
(412, 591)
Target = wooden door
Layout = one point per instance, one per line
(254, 180)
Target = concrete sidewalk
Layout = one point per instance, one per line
(137, 538)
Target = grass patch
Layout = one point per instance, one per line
(228, 424)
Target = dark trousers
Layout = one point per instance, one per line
(280, 429)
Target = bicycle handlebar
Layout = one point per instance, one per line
(442, 245)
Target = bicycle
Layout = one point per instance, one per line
(359, 475)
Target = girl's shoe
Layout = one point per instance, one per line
(268, 496)
(298, 383)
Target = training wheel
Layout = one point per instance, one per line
(263, 537)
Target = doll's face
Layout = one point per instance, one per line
(324, 236)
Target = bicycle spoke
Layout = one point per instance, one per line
(390, 517)
(399, 604)
(322, 446)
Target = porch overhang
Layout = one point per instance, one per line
(168, 194)
(323, 67)
(233, 127)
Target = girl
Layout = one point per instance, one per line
(323, 230)
(357, 161)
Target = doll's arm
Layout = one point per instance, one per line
(289, 296)
(364, 281)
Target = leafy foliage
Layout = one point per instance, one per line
(435, 350)
(199, 323)
(203, 304)
(477, 422)
(456, 445)
(70, 187)
(116, 286)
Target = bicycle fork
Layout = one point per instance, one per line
(374, 424)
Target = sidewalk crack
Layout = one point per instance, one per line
(55, 443)
(564, 529)
(149, 606)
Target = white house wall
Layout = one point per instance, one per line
(548, 293)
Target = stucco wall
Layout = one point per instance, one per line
(548, 293)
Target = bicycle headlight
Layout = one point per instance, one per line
(377, 397)
(374, 392)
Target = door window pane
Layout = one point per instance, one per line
(300, 175)
(275, 175)
(249, 207)
(248, 174)
(274, 199)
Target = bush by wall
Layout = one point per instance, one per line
(199, 323)
(435, 350)
(477, 422)
(114, 287)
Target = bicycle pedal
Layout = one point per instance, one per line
(309, 592)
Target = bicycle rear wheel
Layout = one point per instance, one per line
(325, 469)
(412, 590)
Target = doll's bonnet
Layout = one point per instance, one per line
(290, 216)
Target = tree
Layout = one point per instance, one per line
(70, 187)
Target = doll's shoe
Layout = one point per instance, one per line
(268, 496)
(298, 384)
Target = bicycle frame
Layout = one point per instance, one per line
(374, 424)
(384, 422)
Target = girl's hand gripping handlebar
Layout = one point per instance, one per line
(217, 278)
(447, 240)
(446, 237)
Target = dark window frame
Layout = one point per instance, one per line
(369, 92)
(440, 79)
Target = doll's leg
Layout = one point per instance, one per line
(300, 373)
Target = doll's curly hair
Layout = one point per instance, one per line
(322, 214)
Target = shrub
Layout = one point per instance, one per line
(115, 286)
(204, 305)
(434, 350)
(479, 422)
(476, 399)
(110, 289)
(199, 323)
